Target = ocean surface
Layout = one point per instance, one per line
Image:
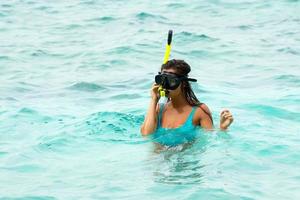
(75, 79)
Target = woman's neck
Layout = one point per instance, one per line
(179, 102)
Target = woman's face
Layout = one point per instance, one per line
(177, 91)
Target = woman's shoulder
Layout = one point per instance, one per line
(203, 112)
(202, 109)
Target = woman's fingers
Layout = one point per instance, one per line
(224, 111)
(229, 118)
(226, 118)
(154, 91)
(155, 85)
(225, 114)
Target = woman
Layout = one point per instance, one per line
(175, 122)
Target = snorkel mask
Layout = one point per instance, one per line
(171, 81)
(167, 80)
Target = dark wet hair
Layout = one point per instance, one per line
(182, 68)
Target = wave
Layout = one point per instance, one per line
(104, 19)
(85, 86)
(184, 35)
(108, 127)
(114, 122)
(146, 15)
(288, 50)
(271, 111)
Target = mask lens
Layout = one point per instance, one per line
(158, 79)
(168, 81)
(173, 82)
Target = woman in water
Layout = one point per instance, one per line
(175, 122)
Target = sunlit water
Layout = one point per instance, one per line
(74, 88)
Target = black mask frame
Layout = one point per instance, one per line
(171, 81)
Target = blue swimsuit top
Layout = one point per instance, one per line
(175, 136)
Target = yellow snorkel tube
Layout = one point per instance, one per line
(162, 92)
(168, 47)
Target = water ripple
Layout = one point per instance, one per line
(272, 111)
(88, 87)
(113, 127)
(104, 19)
(188, 36)
(145, 15)
(288, 50)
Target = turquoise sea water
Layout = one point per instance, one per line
(74, 87)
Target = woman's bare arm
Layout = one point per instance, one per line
(150, 122)
(205, 117)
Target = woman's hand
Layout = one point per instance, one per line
(154, 92)
(225, 119)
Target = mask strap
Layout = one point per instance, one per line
(192, 79)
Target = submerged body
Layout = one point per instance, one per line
(186, 132)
